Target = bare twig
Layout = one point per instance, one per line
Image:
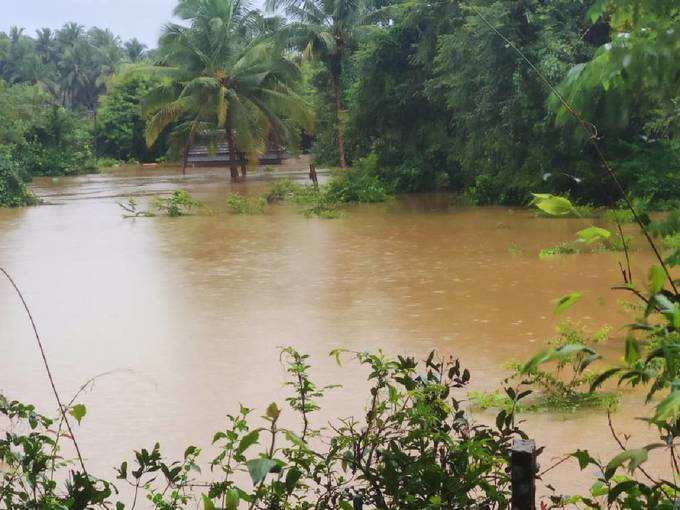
(62, 409)
(623, 447)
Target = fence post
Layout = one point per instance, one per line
(523, 474)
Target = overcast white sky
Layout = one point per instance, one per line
(127, 18)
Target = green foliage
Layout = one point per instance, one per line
(357, 184)
(221, 78)
(120, 121)
(71, 63)
(414, 448)
(13, 191)
(180, 203)
(560, 249)
(242, 204)
(558, 378)
(282, 189)
(30, 457)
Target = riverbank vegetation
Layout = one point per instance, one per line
(430, 94)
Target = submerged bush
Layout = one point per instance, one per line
(359, 184)
(180, 203)
(282, 189)
(241, 204)
(558, 378)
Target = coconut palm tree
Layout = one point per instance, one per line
(326, 30)
(135, 50)
(217, 72)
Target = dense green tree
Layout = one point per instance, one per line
(120, 120)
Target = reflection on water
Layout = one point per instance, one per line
(184, 315)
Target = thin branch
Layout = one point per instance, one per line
(62, 409)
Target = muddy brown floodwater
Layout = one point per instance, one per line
(184, 315)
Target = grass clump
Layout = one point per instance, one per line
(241, 204)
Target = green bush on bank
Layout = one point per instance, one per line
(13, 190)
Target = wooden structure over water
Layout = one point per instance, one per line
(218, 155)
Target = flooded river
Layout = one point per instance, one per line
(184, 315)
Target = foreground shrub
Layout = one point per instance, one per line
(415, 448)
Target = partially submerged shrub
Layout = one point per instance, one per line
(558, 378)
(180, 203)
(282, 189)
(243, 204)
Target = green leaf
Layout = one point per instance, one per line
(273, 411)
(632, 350)
(668, 408)
(207, 503)
(540, 358)
(232, 499)
(583, 458)
(597, 382)
(593, 234)
(633, 457)
(553, 205)
(258, 468)
(247, 441)
(657, 278)
(293, 438)
(292, 477)
(78, 411)
(566, 302)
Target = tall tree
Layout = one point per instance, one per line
(327, 30)
(217, 72)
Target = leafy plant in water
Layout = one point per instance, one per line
(180, 203)
(241, 204)
(131, 208)
(652, 360)
(559, 378)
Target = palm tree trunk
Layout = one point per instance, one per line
(338, 114)
(185, 157)
(187, 147)
(244, 166)
(233, 154)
